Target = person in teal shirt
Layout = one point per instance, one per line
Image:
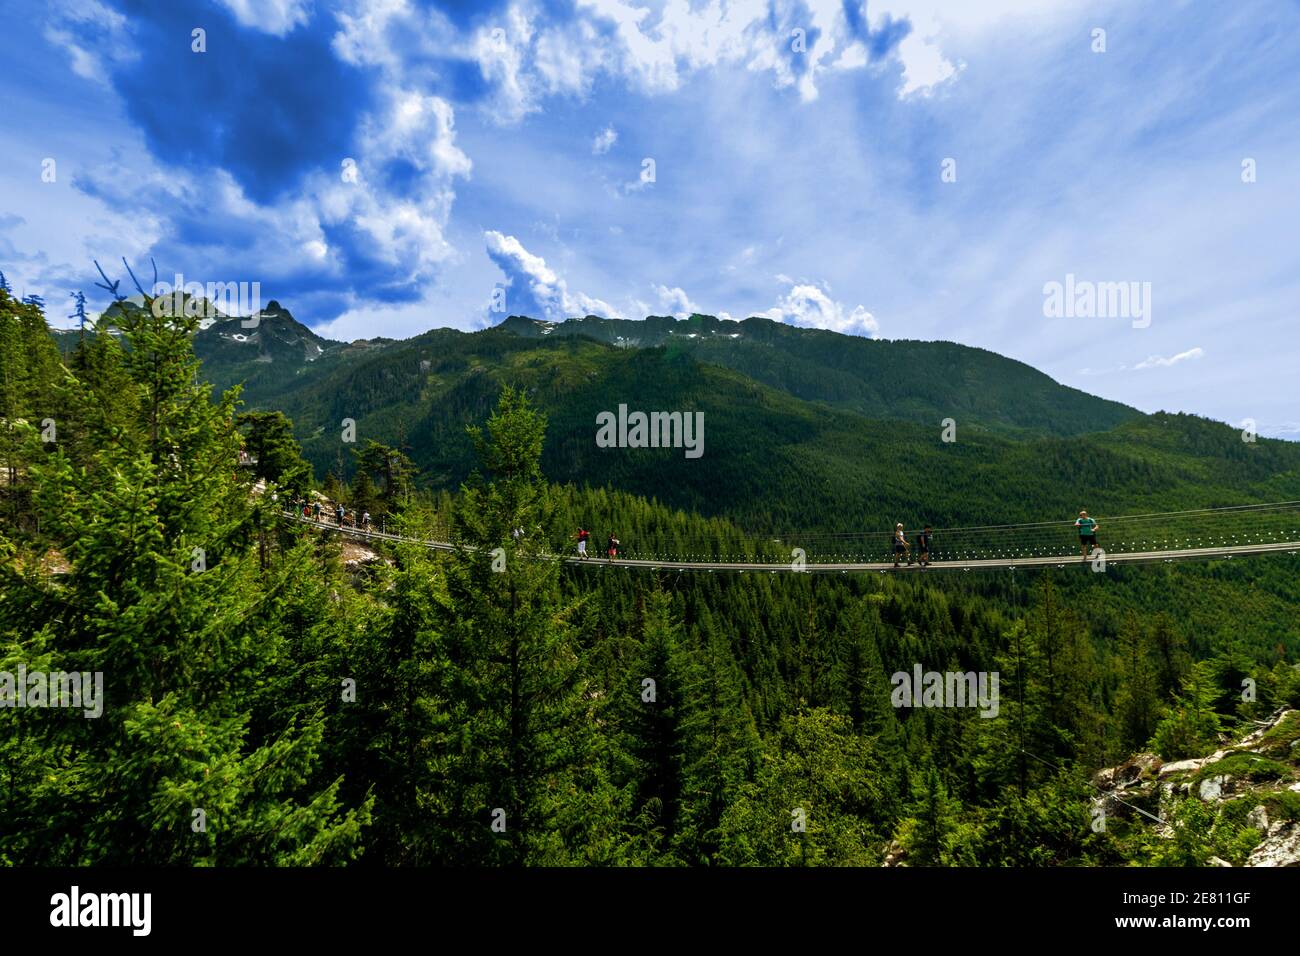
(1087, 533)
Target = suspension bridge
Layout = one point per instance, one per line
(1159, 537)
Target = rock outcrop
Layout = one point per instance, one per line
(1262, 767)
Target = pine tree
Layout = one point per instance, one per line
(1066, 670)
(720, 745)
(1137, 704)
(390, 470)
(524, 779)
(29, 368)
(276, 456)
(162, 596)
(931, 835)
(815, 799)
(649, 712)
(362, 495)
(1191, 729)
(387, 739)
(1170, 651)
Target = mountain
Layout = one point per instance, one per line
(911, 381)
(268, 336)
(232, 348)
(923, 382)
(804, 429)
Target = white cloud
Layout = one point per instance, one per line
(1156, 361)
(276, 17)
(525, 55)
(940, 23)
(676, 301)
(378, 31)
(853, 57)
(604, 141)
(289, 237)
(809, 306)
(417, 128)
(741, 260)
(924, 65)
(93, 35)
(568, 57)
(534, 289)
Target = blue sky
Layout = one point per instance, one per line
(797, 148)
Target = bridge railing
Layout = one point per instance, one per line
(1234, 526)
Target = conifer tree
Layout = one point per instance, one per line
(188, 761)
(269, 443)
(524, 779)
(1137, 703)
(931, 836)
(649, 713)
(1170, 652)
(721, 744)
(815, 799)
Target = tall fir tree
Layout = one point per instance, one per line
(524, 775)
(187, 761)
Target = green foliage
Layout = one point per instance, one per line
(933, 835)
(519, 749)
(813, 802)
(269, 442)
(1049, 826)
(165, 596)
(597, 715)
(1137, 705)
(1195, 831)
(1245, 766)
(1192, 727)
(384, 477)
(29, 369)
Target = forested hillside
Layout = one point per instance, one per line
(775, 459)
(921, 382)
(439, 709)
(913, 381)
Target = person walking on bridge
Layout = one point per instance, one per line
(339, 514)
(315, 510)
(583, 537)
(901, 546)
(923, 547)
(612, 548)
(1087, 533)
